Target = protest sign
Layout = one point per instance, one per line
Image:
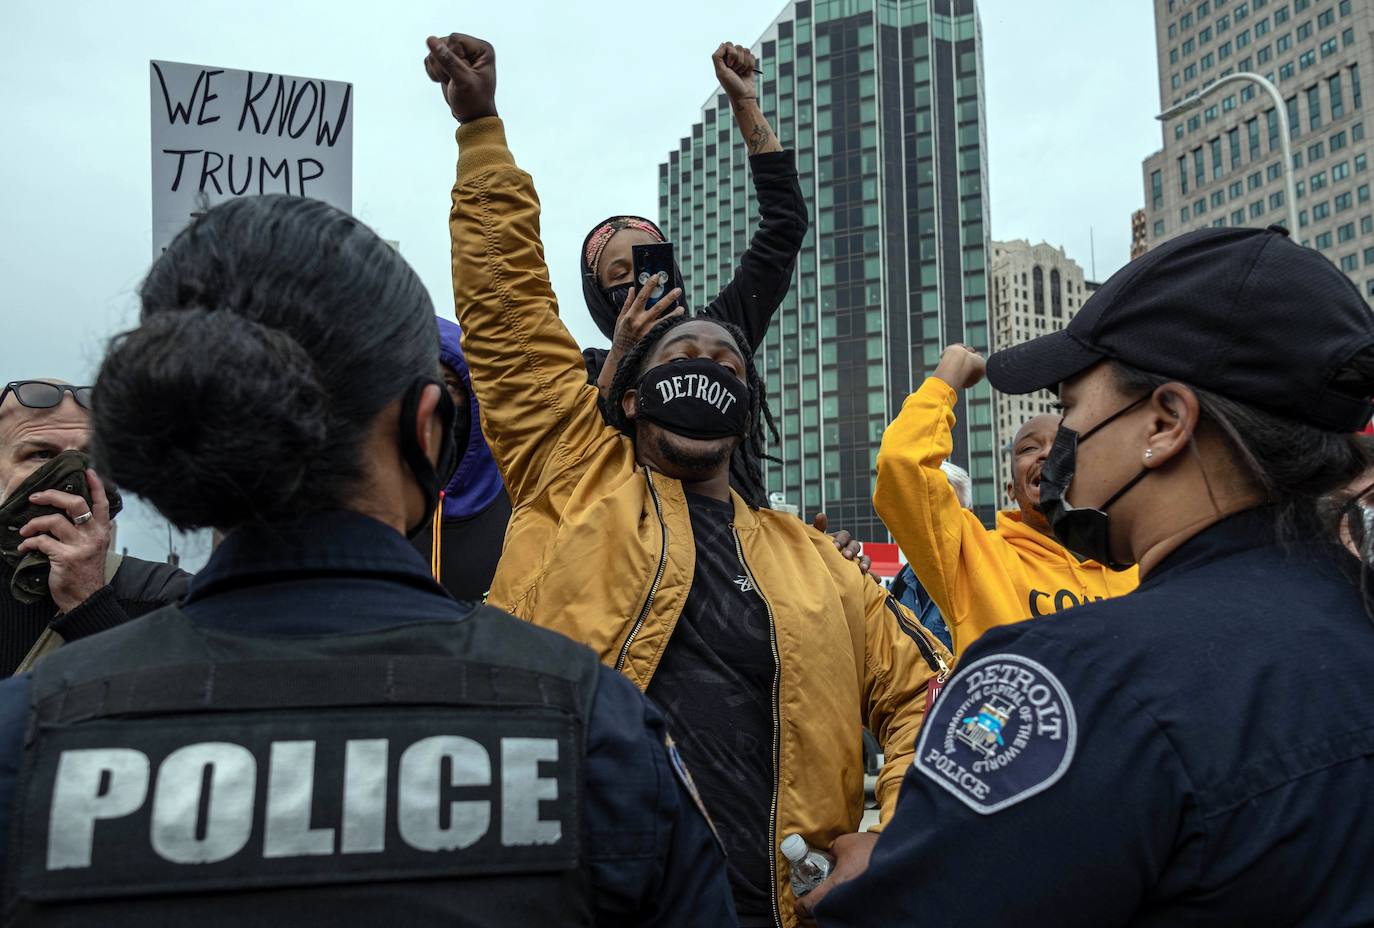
(223, 133)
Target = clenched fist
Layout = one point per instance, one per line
(465, 67)
(961, 367)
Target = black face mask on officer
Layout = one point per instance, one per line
(1085, 532)
(696, 398)
(452, 443)
(67, 473)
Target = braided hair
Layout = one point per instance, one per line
(746, 462)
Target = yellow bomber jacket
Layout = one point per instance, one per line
(601, 549)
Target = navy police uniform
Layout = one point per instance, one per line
(320, 732)
(1200, 752)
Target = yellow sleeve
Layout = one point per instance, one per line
(914, 499)
(898, 655)
(527, 371)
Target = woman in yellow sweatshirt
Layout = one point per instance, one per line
(978, 578)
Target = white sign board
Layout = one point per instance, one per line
(226, 133)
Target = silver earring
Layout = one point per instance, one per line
(1149, 453)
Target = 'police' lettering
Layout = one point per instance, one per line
(91, 785)
(419, 814)
(253, 802)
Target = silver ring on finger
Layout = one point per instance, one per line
(83, 518)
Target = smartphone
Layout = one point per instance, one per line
(653, 267)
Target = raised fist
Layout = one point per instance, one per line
(465, 67)
(735, 70)
(961, 367)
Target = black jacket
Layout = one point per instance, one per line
(138, 588)
(1198, 752)
(764, 274)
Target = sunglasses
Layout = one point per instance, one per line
(39, 394)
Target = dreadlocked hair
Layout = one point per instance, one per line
(746, 461)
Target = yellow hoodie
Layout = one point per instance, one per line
(978, 578)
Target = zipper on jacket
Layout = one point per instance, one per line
(777, 725)
(658, 577)
(932, 657)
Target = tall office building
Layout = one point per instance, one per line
(1221, 163)
(1036, 289)
(882, 102)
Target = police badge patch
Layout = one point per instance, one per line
(1002, 731)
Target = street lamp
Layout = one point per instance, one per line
(1286, 147)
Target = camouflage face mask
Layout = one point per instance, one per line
(66, 472)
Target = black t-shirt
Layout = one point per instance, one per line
(471, 549)
(715, 684)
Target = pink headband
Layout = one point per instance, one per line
(597, 241)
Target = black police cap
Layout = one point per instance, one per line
(1245, 313)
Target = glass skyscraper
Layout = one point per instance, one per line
(882, 102)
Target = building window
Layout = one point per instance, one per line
(1183, 174)
(1363, 193)
(1039, 287)
(1242, 40)
(1223, 23)
(1199, 167)
(1304, 32)
(1328, 48)
(1294, 126)
(1262, 56)
(1343, 203)
(1340, 171)
(1276, 200)
(1306, 60)
(1302, 219)
(1323, 241)
(1156, 190)
(1350, 263)
(1355, 85)
(1215, 146)
(1218, 198)
(1357, 132)
(1367, 225)
(1224, 50)
(1317, 182)
(1256, 209)
(1361, 162)
(1173, 56)
(1262, 27)
(1321, 211)
(1325, 18)
(1189, 47)
(1314, 153)
(1238, 218)
(1253, 138)
(1333, 87)
(1190, 72)
(1207, 62)
(1255, 180)
(1056, 302)
(1159, 228)
(1236, 190)
(1344, 7)
(1183, 215)
(1368, 256)
(1200, 206)
(1283, 43)
(1285, 71)
(1369, 288)
(1280, 15)
(1273, 172)
(1337, 141)
(1348, 38)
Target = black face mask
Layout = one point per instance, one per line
(454, 442)
(617, 295)
(1082, 531)
(696, 398)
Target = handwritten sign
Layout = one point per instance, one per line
(219, 133)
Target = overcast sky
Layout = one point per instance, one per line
(594, 95)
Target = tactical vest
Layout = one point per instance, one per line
(425, 774)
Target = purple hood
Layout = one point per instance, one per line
(477, 481)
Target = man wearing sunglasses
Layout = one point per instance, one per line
(59, 579)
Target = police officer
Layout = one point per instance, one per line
(318, 732)
(1198, 752)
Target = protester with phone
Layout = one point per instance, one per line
(766, 649)
(1198, 752)
(764, 272)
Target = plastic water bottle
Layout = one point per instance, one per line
(809, 867)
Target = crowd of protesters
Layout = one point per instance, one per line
(621, 679)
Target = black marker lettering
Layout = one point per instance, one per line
(291, 129)
(249, 99)
(283, 170)
(323, 133)
(206, 98)
(208, 173)
(178, 110)
(302, 177)
(247, 177)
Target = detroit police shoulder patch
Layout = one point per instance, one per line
(1002, 731)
